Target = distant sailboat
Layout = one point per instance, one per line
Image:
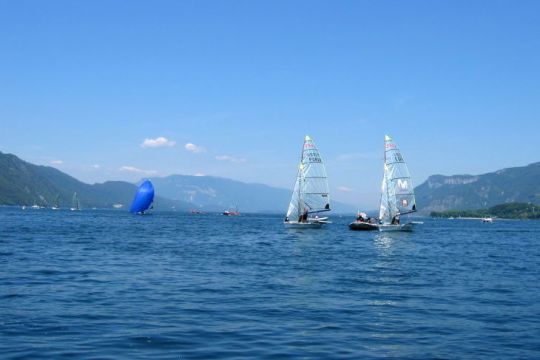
(75, 203)
(43, 202)
(397, 193)
(144, 197)
(56, 204)
(310, 195)
(35, 206)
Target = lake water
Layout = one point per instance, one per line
(107, 284)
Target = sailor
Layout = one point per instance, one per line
(304, 216)
(395, 220)
(361, 217)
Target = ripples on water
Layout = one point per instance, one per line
(106, 284)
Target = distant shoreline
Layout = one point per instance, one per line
(509, 211)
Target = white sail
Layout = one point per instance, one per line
(311, 191)
(75, 204)
(397, 195)
(384, 208)
(293, 212)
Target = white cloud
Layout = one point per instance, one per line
(194, 148)
(230, 158)
(135, 170)
(345, 189)
(95, 166)
(199, 174)
(56, 162)
(157, 142)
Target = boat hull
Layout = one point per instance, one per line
(363, 226)
(389, 227)
(303, 225)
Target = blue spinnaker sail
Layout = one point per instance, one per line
(143, 198)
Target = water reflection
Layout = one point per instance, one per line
(384, 243)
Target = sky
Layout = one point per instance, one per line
(124, 90)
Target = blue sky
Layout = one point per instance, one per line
(456, 83)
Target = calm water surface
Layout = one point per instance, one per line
(106, 284)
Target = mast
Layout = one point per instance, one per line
(300, 177)
(385, 186)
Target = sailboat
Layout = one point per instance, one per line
(310, 195)
(397, 193)
(56, 204)
(75, 204)
(144, 197)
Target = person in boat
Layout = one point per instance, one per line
(395, 220)
(286, 219)
(304, 216)
(361, 217)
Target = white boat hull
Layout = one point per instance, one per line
(389, 227)
(304, 225)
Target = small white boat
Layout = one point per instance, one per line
(487, 219)
(311, 194)
(397, 193)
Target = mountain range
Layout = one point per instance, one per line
(214, 193)
(22, 183)
(472, 192)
